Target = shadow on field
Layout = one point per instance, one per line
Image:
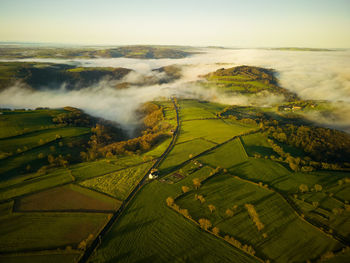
(260, 149)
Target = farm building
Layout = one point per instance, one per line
(153, 174)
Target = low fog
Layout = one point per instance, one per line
(311, 75)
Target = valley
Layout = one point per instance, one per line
(233, 163)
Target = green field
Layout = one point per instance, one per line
(18, 122)
(28, 137)
(86, 170)
(40, 231)
(119, 184)
(216, 131)
(67, 198)
(44, 217)
(148, 231)
(226, 156)
(194, 109)
(31, 140)
(15, 165)
(181, 152)
(57, 177)
(257, 144)
(41, 257)
(285, 241)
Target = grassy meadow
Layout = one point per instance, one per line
(285, 216)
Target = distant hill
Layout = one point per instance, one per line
(301, 49)
(141, 52)
(247, 80)
(39, 75)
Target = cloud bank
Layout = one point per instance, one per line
(312, 75)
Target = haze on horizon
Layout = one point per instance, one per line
(252, 23)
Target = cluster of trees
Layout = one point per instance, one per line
(322, 144)
(295, 163)
(200, 198)
(304, 164)
(303, 188)
(325, 148)
(58, 161)
(74, 117)
(243, 114)
(101, 135)
(152, 132)
(247, 248)
(136, 145)
(254, 216)
(171, 203)
(205, 223)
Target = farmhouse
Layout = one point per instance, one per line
(153, 174)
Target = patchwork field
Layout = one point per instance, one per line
(34, 139)
(194, 109)
(40, 231)
(216, 131)
(149, 231)
(67, 198)
(118, 184)
(282, 238)
(87, 170)
(226, 156)
(219, 169)
(28, 137)
(19, 122)
(182, 152)
(38, 183)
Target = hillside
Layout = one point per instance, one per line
(246, 80)
(49, 75)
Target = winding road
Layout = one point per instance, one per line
(97, 241)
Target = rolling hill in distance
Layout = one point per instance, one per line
(175, 131)
(170, 153)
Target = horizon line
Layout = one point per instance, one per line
(168, 45)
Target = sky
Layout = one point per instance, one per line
(233, 23)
